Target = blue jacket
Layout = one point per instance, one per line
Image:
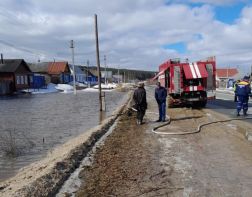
(160, 94)
(243, 89)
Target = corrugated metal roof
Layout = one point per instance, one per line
(77, 69)
(11, 65)
(57, 67)
(225, 72)
(89, 71)
(94, 72)
(41, 67)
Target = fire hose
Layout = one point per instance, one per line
(200, 126)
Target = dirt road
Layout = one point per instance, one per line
(136, 162)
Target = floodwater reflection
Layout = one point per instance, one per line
(102, 116)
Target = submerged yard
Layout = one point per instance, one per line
(34, 124)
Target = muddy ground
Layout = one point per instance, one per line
(136, 162)
(127, 165)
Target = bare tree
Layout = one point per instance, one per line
(14, 143)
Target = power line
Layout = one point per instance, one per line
(19, 48)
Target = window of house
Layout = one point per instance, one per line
(18, 80)
(22, 79)
(65, 77)
(31, 79)
(26, 79)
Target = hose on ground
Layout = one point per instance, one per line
(192, 132)
(200, 126)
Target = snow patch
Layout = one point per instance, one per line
(79, 84)
(50, 89)
(96, 90)
(74, 182)
(106, 86)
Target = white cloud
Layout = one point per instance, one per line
(211, 2)
(132, 33)
(231, 43)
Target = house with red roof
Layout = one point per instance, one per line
(59, 72)
(226, 76)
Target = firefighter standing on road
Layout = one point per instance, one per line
(139, 98)
(160, 96)
(235, 97)
(243, 91)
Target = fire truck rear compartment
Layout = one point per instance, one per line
(192, 98)
(187, 83)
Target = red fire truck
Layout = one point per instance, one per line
(188, 83)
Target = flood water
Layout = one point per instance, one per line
(37, 123)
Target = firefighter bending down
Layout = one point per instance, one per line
(139, 98)
(243, 91)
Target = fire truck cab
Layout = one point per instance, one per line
(188, 83)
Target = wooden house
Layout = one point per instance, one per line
(83, 75)
(59, 72)
(40, 77)
(14, 75)
(226, 76)
(80, 75)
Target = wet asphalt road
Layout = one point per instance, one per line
(224, 104)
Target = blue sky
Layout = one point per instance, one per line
(227, 13)
(230, 13)
(179, 47)
(135, 34)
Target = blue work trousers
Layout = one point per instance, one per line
(162, 113)
(242, 104)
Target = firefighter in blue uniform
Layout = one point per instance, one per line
(243, 91)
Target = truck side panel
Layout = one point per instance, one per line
(177, 79)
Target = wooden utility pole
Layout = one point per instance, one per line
(251, 72)
(118, 75)
(88, 82)
(98, 61)
(72, 47)
(105, 65)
